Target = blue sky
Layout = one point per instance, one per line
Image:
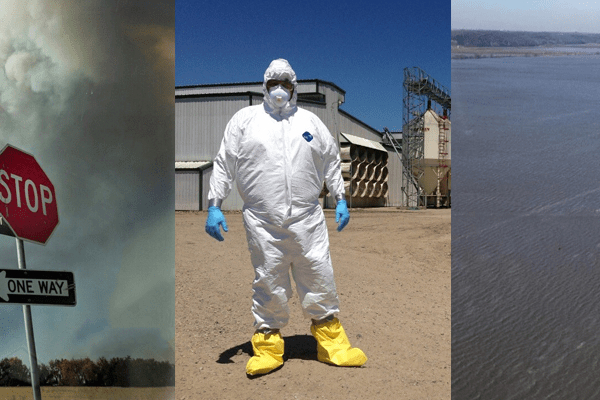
(527, 15)
(363, 47)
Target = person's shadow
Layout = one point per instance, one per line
(298, 346)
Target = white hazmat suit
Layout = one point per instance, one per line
(280, 157)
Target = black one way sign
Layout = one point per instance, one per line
(26, 286)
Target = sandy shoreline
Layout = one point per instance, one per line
(392, 269)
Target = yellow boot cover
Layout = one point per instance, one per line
(333, 346)
(268, 353)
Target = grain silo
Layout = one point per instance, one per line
(425, 141)
(436, 163)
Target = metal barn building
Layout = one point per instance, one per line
(372, 172)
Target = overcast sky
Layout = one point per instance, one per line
(362, 48)
(527, 15)
(87, 88)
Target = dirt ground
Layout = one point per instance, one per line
(88, 393)
(392, 270)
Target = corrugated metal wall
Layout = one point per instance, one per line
(187, 186)
(320, 111)
(395, 196)
(353, 127)
(200, 123)
(206, 187)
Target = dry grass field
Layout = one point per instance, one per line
(89, 393)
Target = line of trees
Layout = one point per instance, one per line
(485, 38)
(124, 372)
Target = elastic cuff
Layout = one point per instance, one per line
(340, 197)
(322, 321)
(267, 331)
(215, 202)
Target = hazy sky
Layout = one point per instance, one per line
(527, 15)
(361, 48)
(87, 88)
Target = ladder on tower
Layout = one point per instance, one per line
(405, 161)
(442, 158)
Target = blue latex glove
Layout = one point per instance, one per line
(215, 220)
(342, 215)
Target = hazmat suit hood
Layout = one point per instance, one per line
(280, 69)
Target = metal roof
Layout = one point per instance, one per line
(201, 165)
(224, 87)
(363, 142)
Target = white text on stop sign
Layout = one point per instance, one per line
(30, 191)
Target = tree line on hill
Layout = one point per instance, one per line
(123, 372)
(482, 38)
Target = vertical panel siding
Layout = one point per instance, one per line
(320, 111)
(348, 125)
(187, 190)
(200, 123)
(205, 187)
(395, 196)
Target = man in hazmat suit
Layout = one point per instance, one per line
(280, 155)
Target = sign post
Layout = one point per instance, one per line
(29, 212)
(35, 377)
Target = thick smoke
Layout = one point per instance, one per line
(87, 88)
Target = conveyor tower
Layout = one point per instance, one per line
(422, 96)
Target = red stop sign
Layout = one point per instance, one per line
(27, 197)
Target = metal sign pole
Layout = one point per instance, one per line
(35, 379)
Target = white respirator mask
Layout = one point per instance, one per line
(279, 95)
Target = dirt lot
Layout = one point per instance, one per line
(392, 269)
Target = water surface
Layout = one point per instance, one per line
(526, 228)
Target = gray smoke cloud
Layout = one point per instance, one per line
(87, 88)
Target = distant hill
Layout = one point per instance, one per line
(478, 38)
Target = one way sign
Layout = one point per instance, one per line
(25, 286)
